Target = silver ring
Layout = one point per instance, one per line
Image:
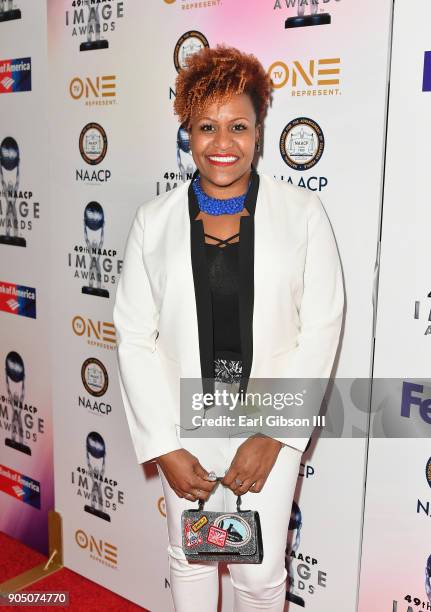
(238, 482)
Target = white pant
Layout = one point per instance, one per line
(262, 586)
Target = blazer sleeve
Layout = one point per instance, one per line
(321, 309)
(148, 403)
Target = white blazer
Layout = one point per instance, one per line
(296, 306)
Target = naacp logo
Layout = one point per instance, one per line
(428, 471)
(93, 143)
(189, 43)
(302, 143)
(94, 377)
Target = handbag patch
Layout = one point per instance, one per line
(191, 538)
(217, 536)
(200, 523)
(238, 530)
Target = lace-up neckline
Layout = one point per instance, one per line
(221, 241)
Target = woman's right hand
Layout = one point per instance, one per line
(185, 475)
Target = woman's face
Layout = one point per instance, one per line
(223, 141)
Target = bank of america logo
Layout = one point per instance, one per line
(15, 74)
(13, 304)
(18, 491)
(18, 299)
(7, 82)
(426, 82)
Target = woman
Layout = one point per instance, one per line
(229, 277)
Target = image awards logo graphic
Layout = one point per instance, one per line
(307, 14)
(9, 176)
(185, 161)
(96, 453)
(91, 20)
(185, 164)
(94, 39)
(422, 313)
(305, 576)
(302, 143)
(19, 419)
(8, 11)
(15, 75)
(428, 578)
(94, 222)
(101, 491)
(295, 525)
(91, 261)
(15, 377)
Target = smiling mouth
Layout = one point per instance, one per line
(222, 160)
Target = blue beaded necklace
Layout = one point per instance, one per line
(214, 206)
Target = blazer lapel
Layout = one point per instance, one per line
(246, 281)
(203, 291)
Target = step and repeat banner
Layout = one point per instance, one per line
(26, 478)
(87, 135)
(396, 554)
(116, 143)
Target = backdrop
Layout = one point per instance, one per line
(97, 116)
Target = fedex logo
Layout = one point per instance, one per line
(412, 397)
(426, 80)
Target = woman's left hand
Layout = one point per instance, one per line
(252, 464)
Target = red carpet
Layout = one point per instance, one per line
(84, 594)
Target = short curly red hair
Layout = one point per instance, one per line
(214, 75)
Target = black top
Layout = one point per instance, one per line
(223, 273)
(203, 291)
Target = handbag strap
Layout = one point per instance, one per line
(238, 504)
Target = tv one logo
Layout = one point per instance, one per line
(412, 398)
(101, 331)
(323, 72)
(93, 88)
(99, 550)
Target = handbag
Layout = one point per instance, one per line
(235, 537)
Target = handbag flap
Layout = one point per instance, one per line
(233, 533)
